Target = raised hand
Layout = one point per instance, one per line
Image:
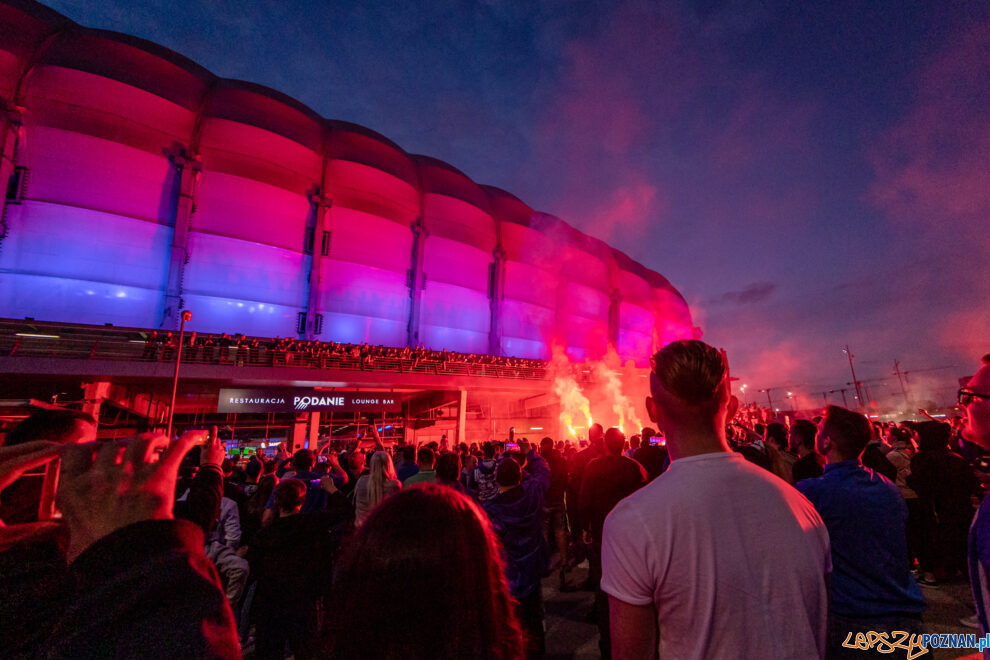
(15, 461)
(18, 459)
(109, 485)
(213, 452)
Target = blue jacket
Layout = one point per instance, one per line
(866, 516)
(517, 517)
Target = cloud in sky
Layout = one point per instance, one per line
(807, 175)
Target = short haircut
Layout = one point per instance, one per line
(409, 453)
(425, 456)
(615, 441)
(290, 494)
(52, 425)
(302, 460)
(448, 467)
(848, 431)
(634, 442)
(690, 370)
(647, 434)
(546, 444)
(901, 434)
(805, 432)
(488, 449)
(253, 468)
(778, 433)
(933, 436)
(508, 473)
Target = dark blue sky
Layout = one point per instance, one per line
(807, 174)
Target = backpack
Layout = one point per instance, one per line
(484, 480)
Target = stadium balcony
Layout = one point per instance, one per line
(27, 338)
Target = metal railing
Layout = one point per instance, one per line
(26, 338)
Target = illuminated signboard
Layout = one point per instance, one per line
(301, 399)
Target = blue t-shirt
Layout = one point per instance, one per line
(979, 565)
(406, 470)
(866, 517)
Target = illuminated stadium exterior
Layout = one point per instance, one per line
(140, 184)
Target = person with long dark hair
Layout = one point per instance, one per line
(423, 578)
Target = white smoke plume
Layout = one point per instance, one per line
(574, 405)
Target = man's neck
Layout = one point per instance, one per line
(836, 457)
(682, 443)
(969, 436)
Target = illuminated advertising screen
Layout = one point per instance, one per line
(304, 399)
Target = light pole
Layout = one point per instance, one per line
(769, 400)
(859, 392)
(900, 379)
(186, 316)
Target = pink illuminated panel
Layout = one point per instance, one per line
(90, 238)
(456, 311)
(364, 296)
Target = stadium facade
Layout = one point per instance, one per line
(140, 184)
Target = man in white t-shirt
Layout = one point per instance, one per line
(716, 556)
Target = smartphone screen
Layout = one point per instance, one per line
(512, 446)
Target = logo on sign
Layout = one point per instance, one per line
(303, 402)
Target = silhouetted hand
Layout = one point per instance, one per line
(18, 459)
(109, 485)
(15, 461)
(213, 451)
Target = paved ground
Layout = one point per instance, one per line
(571, 635)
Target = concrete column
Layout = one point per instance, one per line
(188, 169)
(93, 397)
(319, 207)
(462, 416)
(10, 125)
(615, 300)
(496, 293)
(314, 430)
(417, 279)
(298, 435)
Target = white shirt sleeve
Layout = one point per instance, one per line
(625, 567)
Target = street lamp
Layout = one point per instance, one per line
(186, 316)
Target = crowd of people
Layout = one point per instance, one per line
(279, 351)
(706, 537)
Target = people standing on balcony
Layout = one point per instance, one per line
(169, 344)
(223, 347)
(191, 348)
(209, 348)
(151, 346)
